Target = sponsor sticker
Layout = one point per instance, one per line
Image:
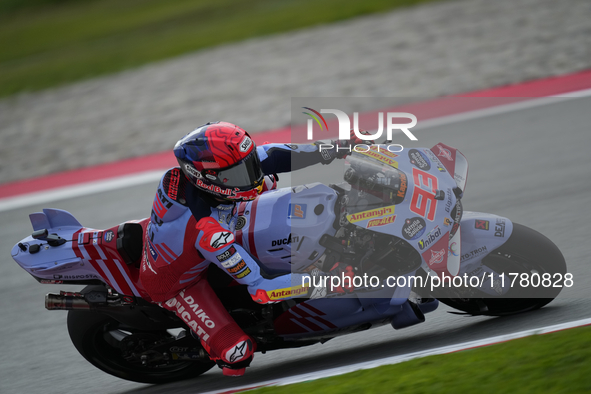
(226, 255)
(473, 253)
(413, 228)
(419, 159)
(381, 156)
(448, 202)
(500, 228)
(192, 171)
(453, 249)
(173, 186)
(436, 257)
(403, 186)
(242, 274)
(245, 144)
(280, 294)
(239, 351)
(109, 235)
(232, 261)
(370, 214)
(296, 211)
(445, 153)
(381, 222)
(285, 241)
(481, 224)
(238, 267)
(447, 221)
(431, 237)
(220, 239)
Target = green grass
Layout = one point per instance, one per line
(551, 363)
(44, 43)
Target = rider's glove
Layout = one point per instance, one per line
(345, 147)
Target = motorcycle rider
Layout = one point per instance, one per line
(193, 225)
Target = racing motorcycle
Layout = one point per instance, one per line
(395, 217)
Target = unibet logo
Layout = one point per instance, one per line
(430, 238)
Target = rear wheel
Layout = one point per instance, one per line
(123, 351)
(525, 252)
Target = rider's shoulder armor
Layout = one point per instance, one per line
(170, 201)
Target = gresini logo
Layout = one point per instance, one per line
(345, 124)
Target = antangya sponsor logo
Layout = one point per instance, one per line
(381, 155)
(287, 292)
(370, 214)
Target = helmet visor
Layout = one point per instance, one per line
(244, 174)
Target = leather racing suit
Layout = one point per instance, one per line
(189, 230)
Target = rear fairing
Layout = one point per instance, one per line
(88, 255)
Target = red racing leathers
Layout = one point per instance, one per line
(186, 234)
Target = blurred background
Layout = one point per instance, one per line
(84, 82)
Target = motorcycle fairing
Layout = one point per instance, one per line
(481, 234)
(426, 176)
(454, 161)
(87, 256)
(52, 219)
(283, 227)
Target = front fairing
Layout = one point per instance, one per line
(420, 206)
(412, 212)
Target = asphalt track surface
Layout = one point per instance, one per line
(530, 165)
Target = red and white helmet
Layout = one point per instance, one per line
(221, 159)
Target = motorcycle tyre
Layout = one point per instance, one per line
(87, 332)
(524, 248)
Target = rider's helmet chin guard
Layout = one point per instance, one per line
(221, 159)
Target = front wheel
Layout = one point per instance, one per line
(525, 252)
(116, 349)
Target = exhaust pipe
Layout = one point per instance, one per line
(65, 301)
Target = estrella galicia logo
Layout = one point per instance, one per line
(419, 159)
(413, 228)
(296, 211)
